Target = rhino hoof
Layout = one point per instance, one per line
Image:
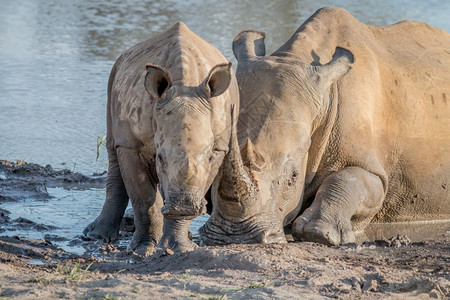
(273, 237)
(142, 247)
(143, 250)
(172, 246)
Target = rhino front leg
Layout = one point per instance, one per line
(176, 231)
(146, 201)
(106, 226)
(349, 197)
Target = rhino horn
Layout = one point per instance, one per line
(249, 43)
(252, 159)
(235, 183)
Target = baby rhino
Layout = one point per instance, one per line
(157, 92)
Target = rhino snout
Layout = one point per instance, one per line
(183, 206)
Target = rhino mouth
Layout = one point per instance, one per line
(255, 230)
(183, 206)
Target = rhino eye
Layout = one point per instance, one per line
(217, 151)
(161, 162)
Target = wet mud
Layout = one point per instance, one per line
(20, 180)
(23, 184)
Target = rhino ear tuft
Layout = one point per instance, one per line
(249, 43)
(339, 65)
(157, 81)
(217, 81)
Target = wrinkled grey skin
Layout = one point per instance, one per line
(160, 92)
(340, 116)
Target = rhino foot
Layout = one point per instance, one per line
(142, 245)
(218, 231)
(101, 230)
(176, 245)
(323, 232)
(176, 236)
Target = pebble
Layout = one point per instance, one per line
(434, 294)
(356, 283)
(370, 285)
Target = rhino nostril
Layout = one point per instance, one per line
(184, 205)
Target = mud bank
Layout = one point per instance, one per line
(21, 180)
(31, 268)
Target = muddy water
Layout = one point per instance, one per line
(55, 57)
(66, 211)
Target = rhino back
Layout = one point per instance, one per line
(394, 108)
(186, 56)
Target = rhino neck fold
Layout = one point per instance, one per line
(321, 134)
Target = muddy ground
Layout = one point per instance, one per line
(30, 269)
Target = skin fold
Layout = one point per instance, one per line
(161, 156)
(345, 124)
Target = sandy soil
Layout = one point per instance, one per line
(31, 269)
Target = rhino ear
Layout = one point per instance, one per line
(217, 81)
(339, 65)
(157, 80)
(249, 43)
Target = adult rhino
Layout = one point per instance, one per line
(349, 120)
(157, 92)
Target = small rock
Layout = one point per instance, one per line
(111, 248)
(169, 251)
(54, 238)
(399, 240)
(434, 294)
(23, 220)
(370, 285)
(356, 284)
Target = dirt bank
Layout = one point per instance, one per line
(35, 269)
